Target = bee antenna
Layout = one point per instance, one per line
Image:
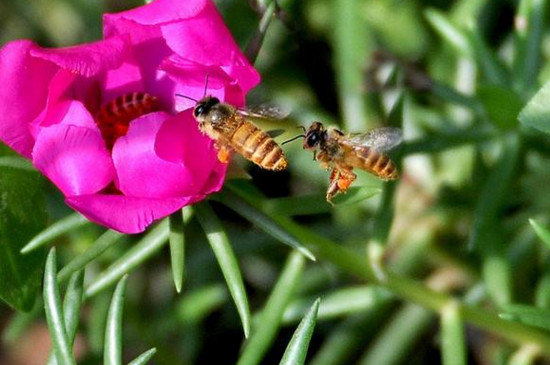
(294, 138)
(187, 97)
(303, 128)
(205, 85)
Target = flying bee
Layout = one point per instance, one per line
(114, 117)
(233, 130)
(342, 153)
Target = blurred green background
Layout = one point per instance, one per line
(450, 264)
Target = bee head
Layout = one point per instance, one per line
(203, 107)
(314, 136)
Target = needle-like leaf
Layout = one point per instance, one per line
(271, 316)
(54, 313)
(67, 224)
(102, 244)
(177, 248)
(296, 351)
(112, 354)
(143, 358)
(226, 258)
(143, 250)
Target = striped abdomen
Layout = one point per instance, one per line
(377, 163)
(113, 119)
(257, 146)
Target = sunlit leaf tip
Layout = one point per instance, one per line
(296, 350)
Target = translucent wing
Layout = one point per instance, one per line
(266, 110)
(381, 139)
(273, 133)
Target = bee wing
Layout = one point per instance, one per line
(381, 139)
(265, 111)
(273, 133)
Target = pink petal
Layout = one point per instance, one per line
(190, 80)
(149, 49)
(125, 79)
(205, 40)
(69, 112)
(127, 214)
(158, 12)
(58, 90)
(179, 140)
(201, 39)
(141, 172)
(216, 179)
(74, 158)
(87, 59)
(23, 93)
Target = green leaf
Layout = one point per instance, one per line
(447, 140)
(339, 303)
(453, 96)
(542, 291)
(347, 259)
(399, 336)
(452, 335)
(493, 70)
(20, 322)
(533, 316)
(112, 354)
(467, 41)
(536, 113)
(494, 189)
(451, 32)
(143, 358)
(351, 42)
(22, 215)
(263, 221)
(317, 203)
(501, 104)
(54, 313)
(149, 245)
(177, 248)
(255, 44)
(271, 316)
(198, 304)
(71, 308)
(349, 336)
(226, 259)
(485, 236)
(296, 351)
(59, 228)
(96, 321)
(16, 162)
(525, 355)
(102, 244)
(530, 24)
(542, 232)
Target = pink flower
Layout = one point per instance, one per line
(50, 97)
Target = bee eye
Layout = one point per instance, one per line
(198, 111)
(312, 140)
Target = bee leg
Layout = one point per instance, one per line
(333, 176)
(345, 180)
(333, 185)
(224, 154)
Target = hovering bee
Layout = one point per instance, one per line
(233, 130)
(113, 118)
(342, 153)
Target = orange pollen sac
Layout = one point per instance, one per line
(113, 119)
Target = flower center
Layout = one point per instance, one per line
(113, 119)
